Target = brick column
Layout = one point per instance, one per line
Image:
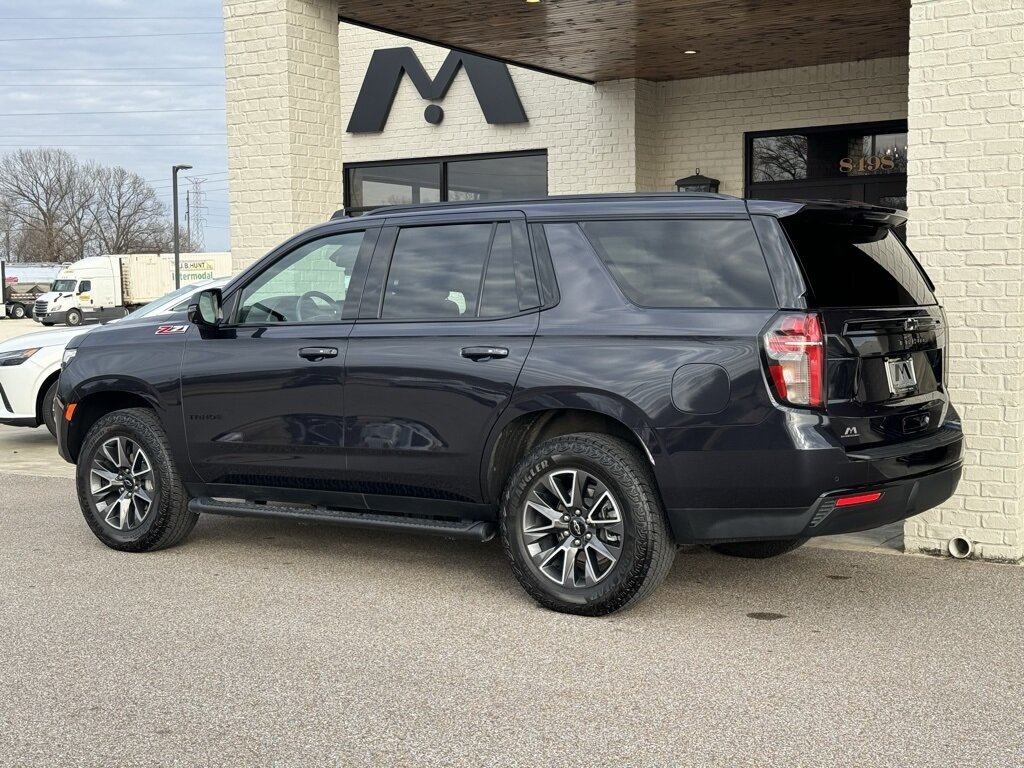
(966, 186)
(283, 119)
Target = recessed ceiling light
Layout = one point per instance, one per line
(690, 52)
(533, 1)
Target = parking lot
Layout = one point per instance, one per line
(271, 643)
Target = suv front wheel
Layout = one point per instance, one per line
(128, 487)
(583, 525)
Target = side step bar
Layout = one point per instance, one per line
(474, 530)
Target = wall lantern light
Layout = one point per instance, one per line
(697, 183)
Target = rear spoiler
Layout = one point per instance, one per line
(838, 211)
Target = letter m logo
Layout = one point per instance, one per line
(491, 81)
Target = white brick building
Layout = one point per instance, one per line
(933, 122)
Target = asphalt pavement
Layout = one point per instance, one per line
(271, 643)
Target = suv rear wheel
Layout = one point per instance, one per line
(128, 487)
(583, 525)
(758, 550)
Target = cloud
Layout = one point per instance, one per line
(104, 75)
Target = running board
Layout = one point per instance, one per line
(475, 530)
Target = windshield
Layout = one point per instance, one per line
(165, 301)
(64, 286)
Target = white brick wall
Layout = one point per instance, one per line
(283, 119)
(704, 119)
(585, 129)
(966, 187)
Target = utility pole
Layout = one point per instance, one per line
(177, 243)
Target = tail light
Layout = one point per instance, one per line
(794, 346)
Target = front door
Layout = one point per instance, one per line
(262, 395)
(447, 319)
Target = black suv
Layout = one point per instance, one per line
(598, 379)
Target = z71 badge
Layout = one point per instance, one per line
(166, 330)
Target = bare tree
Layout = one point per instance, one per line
(8, 228)
(127, 215)
(58, 209)
(45, 190)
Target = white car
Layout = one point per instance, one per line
(30, 364)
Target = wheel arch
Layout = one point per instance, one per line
(97, 403)
(532, 421)
(47, 382)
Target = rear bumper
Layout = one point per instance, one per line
(900, 500)
(912, 477)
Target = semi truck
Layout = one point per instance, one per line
(101, 288)
(21, 285)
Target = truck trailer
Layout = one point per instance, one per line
(101, 288)
(22, 285)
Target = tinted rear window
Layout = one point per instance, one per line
(685, 263)
(853, 266)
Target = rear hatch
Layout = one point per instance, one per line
(885, 333)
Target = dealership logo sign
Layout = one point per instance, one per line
(491, 82)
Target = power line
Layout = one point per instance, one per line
(111, 112)
(115, 146)
(102, 135)
(110, 69)
(111, 85)
(104, 37)
(107, 18)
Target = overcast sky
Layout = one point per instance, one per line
(46, 74)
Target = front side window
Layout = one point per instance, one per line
(308, 285)
(85, 286)
(685, 263)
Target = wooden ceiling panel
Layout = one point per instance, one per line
(612, 39)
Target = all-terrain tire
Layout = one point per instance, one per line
(647, 546)
(49, 417)
(169, 519)
(758, 550)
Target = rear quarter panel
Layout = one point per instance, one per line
(596, 351)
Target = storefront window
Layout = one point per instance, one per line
(827, 154)
(498, 178)
(482, 177)
(395, 185)
(864, 163)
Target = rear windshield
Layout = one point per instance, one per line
(857, 266)
(685, 263)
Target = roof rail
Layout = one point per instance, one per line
(594, 197)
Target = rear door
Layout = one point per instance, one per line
(885, 331)
(447, 318)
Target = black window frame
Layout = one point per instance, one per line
(442, 161)
(876, 127)
(374, 287)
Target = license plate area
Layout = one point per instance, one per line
(901, 376)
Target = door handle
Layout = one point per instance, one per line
(484, 353)
(315, 354)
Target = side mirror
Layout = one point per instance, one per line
(206, 310)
